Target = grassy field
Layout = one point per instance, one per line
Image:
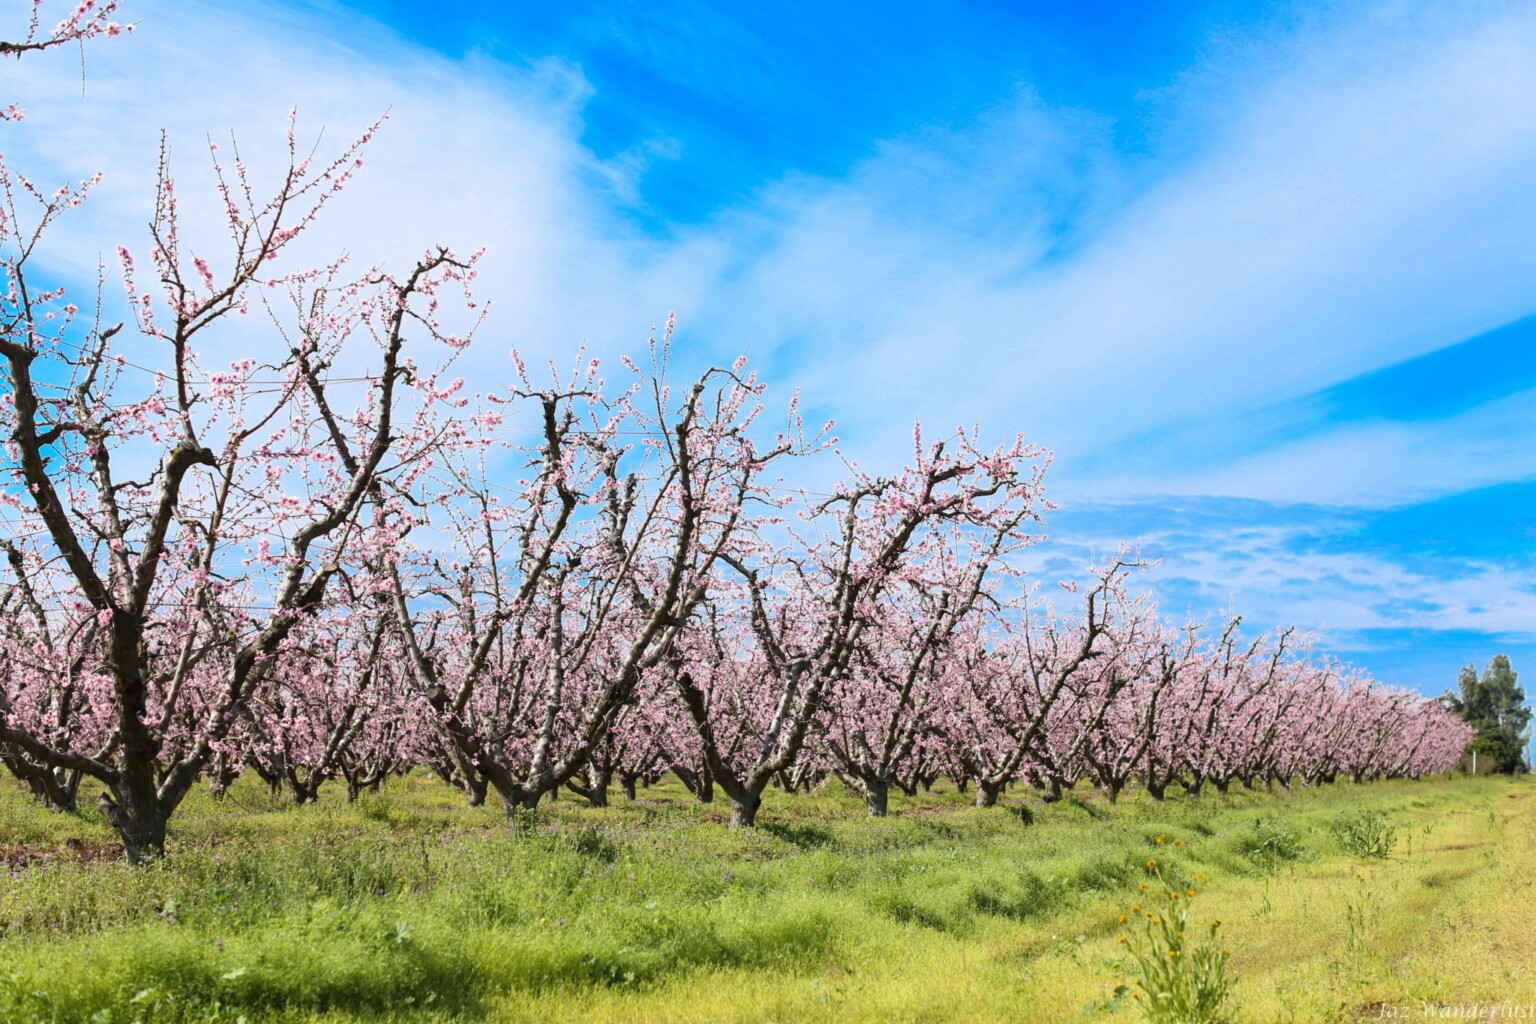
(409, 907)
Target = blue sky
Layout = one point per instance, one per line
(1261, 274)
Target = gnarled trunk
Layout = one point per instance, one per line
(987, 793)
(700, 783)
(138, 822)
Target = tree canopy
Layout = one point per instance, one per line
(1494, 705)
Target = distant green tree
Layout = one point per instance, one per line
(1495, 706)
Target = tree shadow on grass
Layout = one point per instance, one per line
(803, 836)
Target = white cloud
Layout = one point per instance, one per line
(1369, 201)
(1284, 566)
(473, 154)
(1360, 193)
(1376, 464)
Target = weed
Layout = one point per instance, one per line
(1362, 930)
(1271, 842)
(1365, 833)
(1266, 906)
(1180, 975)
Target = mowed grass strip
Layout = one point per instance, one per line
(408, 907)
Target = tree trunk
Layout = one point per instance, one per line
(705, 789)
(138, 823)
(222, 777)
(54, 788)
(877, 796)
(34, 787)
(627, 782)
(597, 785)
(302, 792)
(63, 790)
(700, 783)
(515, 797)
(987, 792)
(475, 787)
(744, 808)
(273, 780)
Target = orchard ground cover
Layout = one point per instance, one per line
(407, 906)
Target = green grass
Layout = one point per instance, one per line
(409, 906)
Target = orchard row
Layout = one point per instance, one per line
(332, 561)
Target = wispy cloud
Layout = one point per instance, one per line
(1344, 214)
(1450, 579)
